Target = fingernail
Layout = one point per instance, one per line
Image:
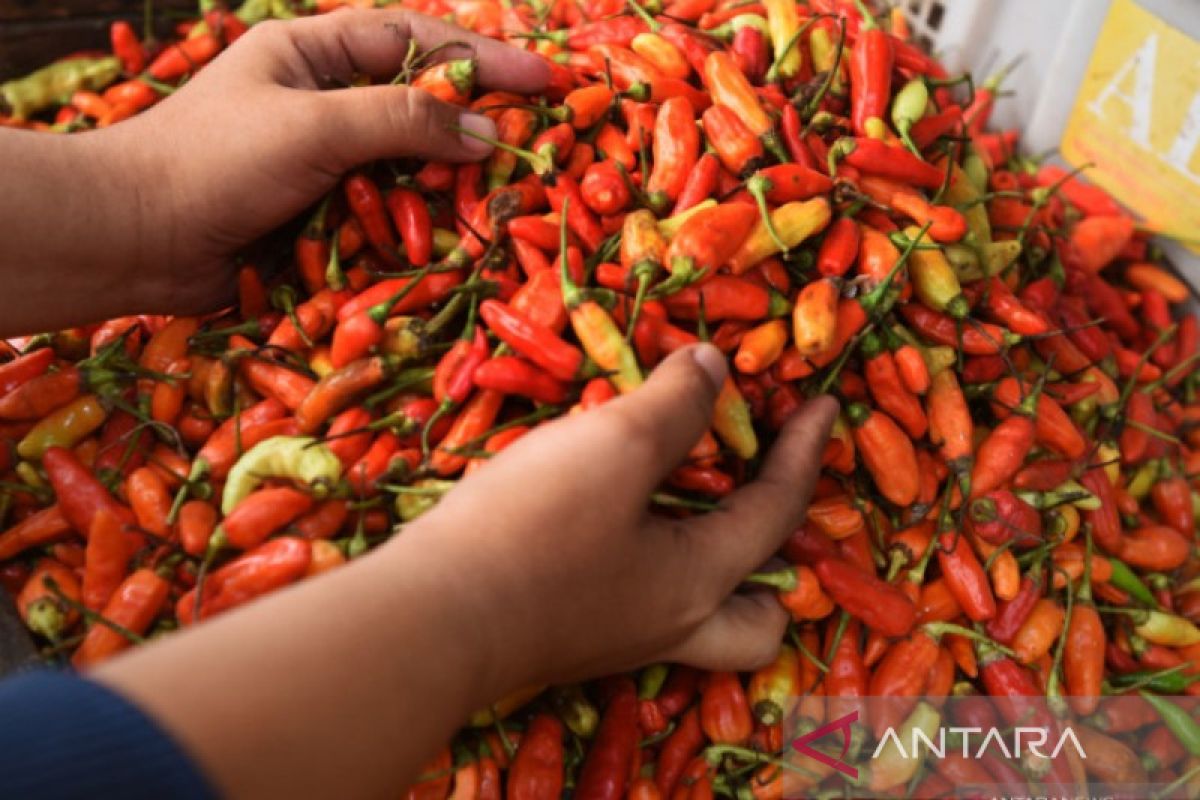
(480, 126)
(712, 361)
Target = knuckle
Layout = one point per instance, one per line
(762, 649)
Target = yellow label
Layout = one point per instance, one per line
(1137, 119)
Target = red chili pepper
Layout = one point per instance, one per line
(871, 61)
(581, 221)
(726, 297)
(536, 772)
(23, 369)
(889, 391)
(605, 772)
(221, 450)
(410, 215)
(512, 375)
(678, 749)
(125, 46)
(106, 560)
(879, 605)
(1053, 427)
(270, 566)
(38, 395)
(1105, 520)
(536, 342)
(724, 710)
(839, 248)
(980, 339)
(887, 161)
(262, 513)
(735, 144)
(134, 606)
(603, 188)
(965, 577)
(80, 495)
(183, 57)
(1011, 614)
(676, 150)
(887, 453)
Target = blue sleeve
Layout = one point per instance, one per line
(65, 737)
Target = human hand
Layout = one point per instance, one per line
(250, 142)
(572, 574)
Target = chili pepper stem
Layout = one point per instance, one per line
(541, 164)
(758, 186)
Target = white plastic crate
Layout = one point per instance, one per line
(1054, 42)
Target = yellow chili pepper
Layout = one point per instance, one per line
(963, 194)
(444, 242)
(420, 497)
(604, 344)
(794, 222)
(29, 95)
(783, 25)
(933, 278)
(894, 765)
(301, 458)
(731, 421)
(1168, 630)
(65, 427)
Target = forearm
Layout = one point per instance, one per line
(342, 686)
(71, 237)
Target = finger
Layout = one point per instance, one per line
(375, 122)
(754, 521)
(743, 634)
(659, 423)
(335, 47)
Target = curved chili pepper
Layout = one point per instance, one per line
(273, 564)
(536, 342)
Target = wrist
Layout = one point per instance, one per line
(458, 606)
(136, 225)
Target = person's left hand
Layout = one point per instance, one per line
(251, 141)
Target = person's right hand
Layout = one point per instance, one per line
(573, 578)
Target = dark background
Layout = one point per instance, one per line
(35, 32)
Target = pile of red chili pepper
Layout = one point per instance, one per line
(1008, 502)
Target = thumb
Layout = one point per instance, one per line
(663, 419)
(375, 122)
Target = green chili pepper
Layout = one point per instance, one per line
(57, 82)
(651, 681)
(301, 458)
(575, 710)
(1181, 722)
(413, 501)
(1127, 580)
(908, 107)
(1157, 681)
